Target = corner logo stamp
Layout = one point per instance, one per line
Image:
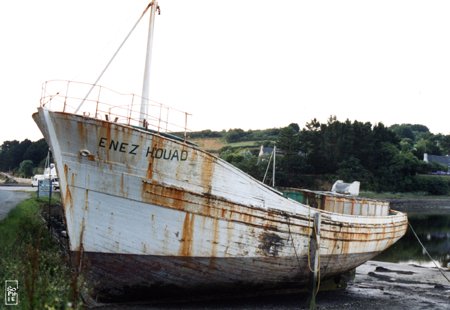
(11, 292)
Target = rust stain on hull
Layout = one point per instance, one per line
(218, 209)
(163, 196)
(187, 235)
(215, 239)
(68, 200)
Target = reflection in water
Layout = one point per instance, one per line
(434, 233)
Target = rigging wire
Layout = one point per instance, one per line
(113, 56)
(268, 165)
(428, 254)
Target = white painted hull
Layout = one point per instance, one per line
(151, 211)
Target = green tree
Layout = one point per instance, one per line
(7, 160)
(289, 170)
(291, 164)
(294, 126)
(36, 152)
(383, 167)
(288, 140)
(311, 145)
(244, 160)
(12, 154)
(26, 168)
(383, 159)
(445, 144)
(351, 169)
(428, 145)
(410, 131)
(234, 135)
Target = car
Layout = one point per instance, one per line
(55, 184)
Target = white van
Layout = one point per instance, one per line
(35, 179)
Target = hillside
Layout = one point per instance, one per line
(212, 145)
(234, 139)
(382, 159)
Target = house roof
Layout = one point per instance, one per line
(443, 160)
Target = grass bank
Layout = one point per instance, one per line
(30, 255)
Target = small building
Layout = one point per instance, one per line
(437, 159)
(265, 150)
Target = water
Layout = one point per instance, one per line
(434, 233)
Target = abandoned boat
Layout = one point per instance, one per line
(149, 211)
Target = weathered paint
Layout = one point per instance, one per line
(339, 203)
(192, 220)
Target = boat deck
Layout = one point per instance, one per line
(339, 203)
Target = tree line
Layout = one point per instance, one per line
(381, 158)
(23, 158)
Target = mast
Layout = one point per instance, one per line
(148, 61)
(274, 164)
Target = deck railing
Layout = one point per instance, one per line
(104, 103)
(339, 203)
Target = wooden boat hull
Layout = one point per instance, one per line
(145, 211)
(119, 276)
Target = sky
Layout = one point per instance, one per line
(244, 64)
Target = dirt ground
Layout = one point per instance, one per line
(7, 178)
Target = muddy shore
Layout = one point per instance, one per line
(377, 285)
(381, 285)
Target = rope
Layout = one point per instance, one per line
(112, 58)
(292, 238)
(429, 256)
(316, 291)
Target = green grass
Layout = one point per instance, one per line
(30, 255)
(245, 144)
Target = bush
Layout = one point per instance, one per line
(434, 185)
(26, 169)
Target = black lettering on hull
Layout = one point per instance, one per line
(158, 153)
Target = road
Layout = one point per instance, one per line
(11, 196)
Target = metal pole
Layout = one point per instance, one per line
(185, 125)
(274, 164)
(148, 62)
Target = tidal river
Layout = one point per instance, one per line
(433, 231)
